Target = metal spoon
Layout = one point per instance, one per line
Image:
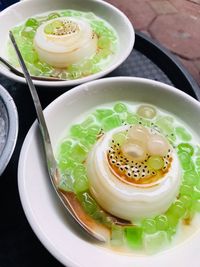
(69, 200)
(21, 74)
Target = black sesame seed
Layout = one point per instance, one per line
(118, 144)
(129, 174)
(135, 175)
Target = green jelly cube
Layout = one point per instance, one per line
(186, 200)
(171, 232)
(79, 170)
(162, 222)
(53, 15)
(117, 236)
(190, 178)
(94, 130)
(186, 190)
(77, 131)
(186, 161)
(101, 216)
(80, 184)
(79, 152)
(103, 113)
(197, 161)
(88, 203)
(197, 205)
(104, 53)
(166, 124)
(183, 134)
(32, 23)
(88, 122)
(111, 122)
(132, 119)
(119, 138)
(66, 182)
(172, 220)
(133, 236)
(28, 32)
(90, 140)
(155, 242)
(186, 148)
(178, 209)
(103, 42)
(196, 192)
(65, 149)
(120, 107)
(149, 226)
(66, 164)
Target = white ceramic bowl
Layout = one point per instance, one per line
(19, 12)
(8, 128)
(64, 239)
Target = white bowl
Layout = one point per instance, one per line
(8, 128)
(19, 12)
(55, 229)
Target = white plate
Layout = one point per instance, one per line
(55, 229)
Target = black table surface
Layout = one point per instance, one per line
(19, 247)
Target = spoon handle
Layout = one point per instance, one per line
(51, 162)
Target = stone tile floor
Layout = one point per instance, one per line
(173, 23)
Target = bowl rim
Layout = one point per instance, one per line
(32, 133)
(13, 128)
(95, 76)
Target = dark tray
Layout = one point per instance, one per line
(19, 247)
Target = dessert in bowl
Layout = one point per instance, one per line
(71, 41)
(128, 151)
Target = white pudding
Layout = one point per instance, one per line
(64, 41)
(129, 201)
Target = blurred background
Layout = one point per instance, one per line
(173, 23)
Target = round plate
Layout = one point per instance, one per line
(51, 223)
